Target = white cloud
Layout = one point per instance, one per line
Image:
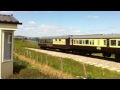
(94, 17)
(48, 27)
(45, 30)
(6, 12)
(31, 22)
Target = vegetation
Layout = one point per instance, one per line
(64, 64)
(69, 66)
(24, 70)
(20, 43)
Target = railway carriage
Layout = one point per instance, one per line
(106, 44)
(58, 42)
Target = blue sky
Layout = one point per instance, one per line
(53, 23)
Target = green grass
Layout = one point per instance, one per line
(69, 66)
(76, 68)
(20, 43)
(23, 70)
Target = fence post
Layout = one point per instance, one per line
(46, 60)
(41, 59)
(37, 55)
(61, 64)
(103, 71)
(84, 68)
(27, 53)
(30, 54)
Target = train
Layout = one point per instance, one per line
(107, 44)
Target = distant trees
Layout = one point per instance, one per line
(24, 39)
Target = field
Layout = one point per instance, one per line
(20, 43)
(24, 70)
(77, 69)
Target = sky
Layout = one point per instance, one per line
(57, 23)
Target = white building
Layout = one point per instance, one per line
(8, 24)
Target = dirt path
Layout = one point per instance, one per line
(45, 69)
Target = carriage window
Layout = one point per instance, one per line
(92, 42)
(104, 42)
(118, 43)
(87, 41)
(113, 42)
(83, 42)
(74, 41)
(59, 39)
(55, 39)
(98, 42)
(48, 41)
(80, 41)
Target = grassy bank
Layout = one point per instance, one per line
(69, 66)
(24, 70)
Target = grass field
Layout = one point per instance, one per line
(69, 66)
(20, 43)
(64, 64)
(24, 70)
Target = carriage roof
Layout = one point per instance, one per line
(91, 36)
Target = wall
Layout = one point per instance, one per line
(13, 26)
(6, 63)
(0, 52)
(7, 69)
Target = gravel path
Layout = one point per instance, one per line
(111, 65)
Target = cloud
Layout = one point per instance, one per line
(6, 12)
(94, 17)
(32, 22)
(48, 27)
(45, 30)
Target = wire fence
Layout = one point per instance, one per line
(48, 60)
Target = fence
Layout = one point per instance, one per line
(56, 62)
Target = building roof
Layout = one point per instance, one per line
(8, 19)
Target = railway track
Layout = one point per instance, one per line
(107, 63)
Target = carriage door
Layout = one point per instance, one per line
(107, 42)
(68, 42)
